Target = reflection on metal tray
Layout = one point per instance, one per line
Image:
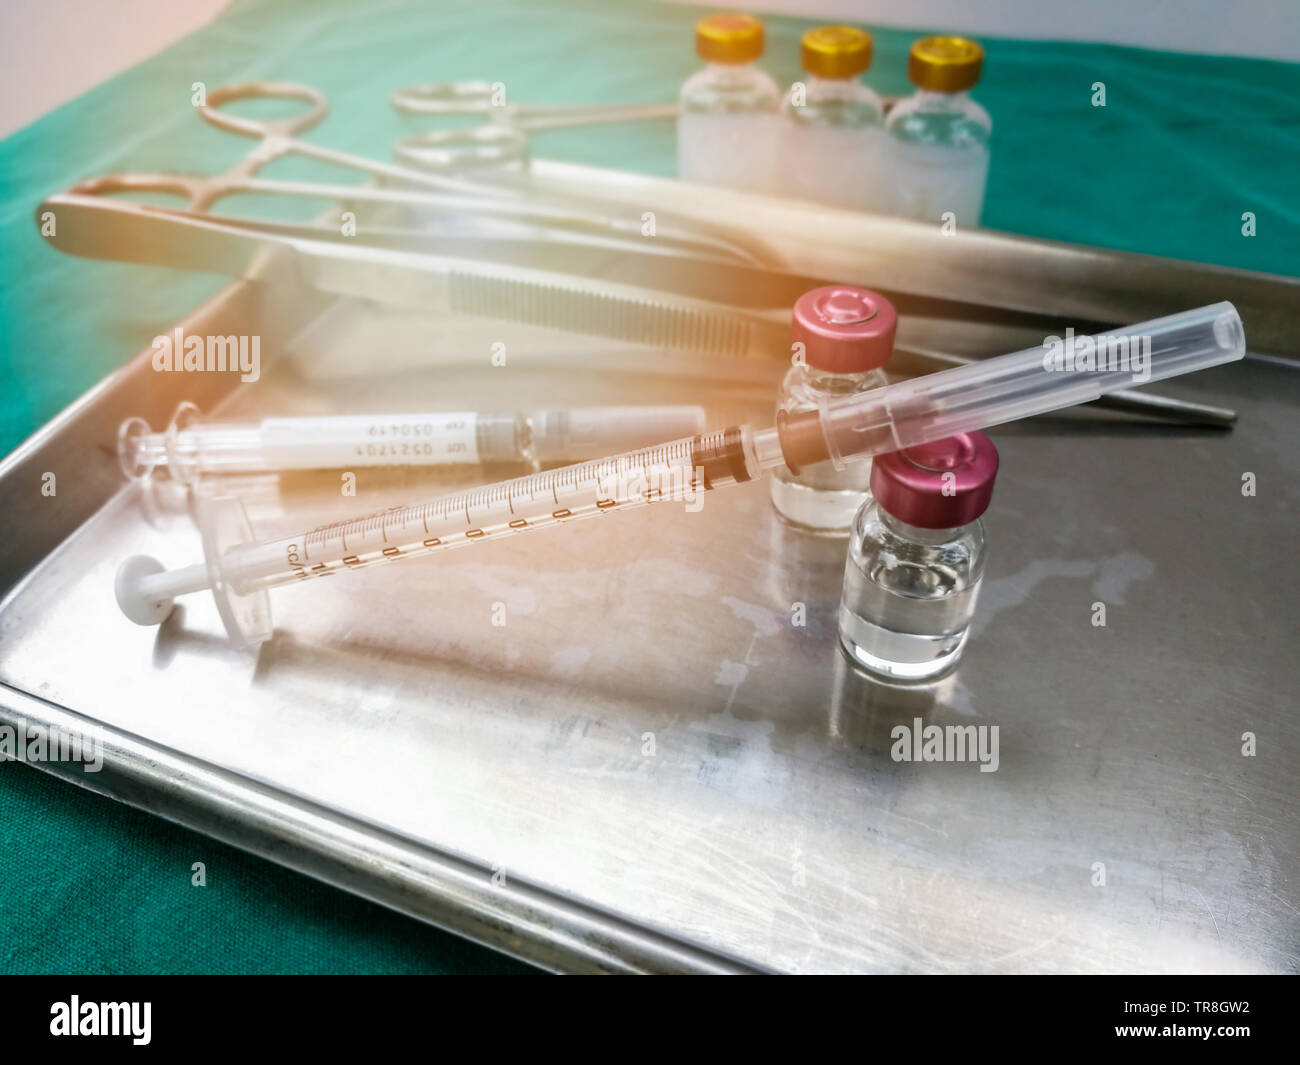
(648, 766)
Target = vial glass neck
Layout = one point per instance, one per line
(915, 533)
(941, 99)
(730, 70)
(830, 381)
(814, 81)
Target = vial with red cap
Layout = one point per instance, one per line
(843, 336)
(916, 558)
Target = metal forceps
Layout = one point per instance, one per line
(547, 216)
(706, 285)
(278, 137)
(502, 137)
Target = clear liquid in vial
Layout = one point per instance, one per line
(937, 158)
(727, 127)
(820, 499)
(927, 182)
(909, 595)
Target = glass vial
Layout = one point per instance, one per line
(845, 335)
(728, 111)
(938, 138)
(832, 135)
(916, 558)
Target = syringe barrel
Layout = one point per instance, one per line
(679, 470)
(586, 433)
(193, 447)
(1061, 372)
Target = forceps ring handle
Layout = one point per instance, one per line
(196, 192)
(455, 149)
(269, 128)
(476, 98)
(446, 98)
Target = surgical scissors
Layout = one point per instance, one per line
(503, 137)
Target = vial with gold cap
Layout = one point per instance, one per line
(831, 137)
(728, 111)
(938, 138)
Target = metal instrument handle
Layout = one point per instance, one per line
(271, 128)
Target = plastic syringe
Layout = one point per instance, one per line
(239, 569)
(192, 447)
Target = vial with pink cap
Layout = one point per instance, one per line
(842, 336)
(916, 558)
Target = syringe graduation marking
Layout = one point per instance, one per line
(598, 487)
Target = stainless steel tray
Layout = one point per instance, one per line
(499, 780)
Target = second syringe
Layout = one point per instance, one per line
(191, 447)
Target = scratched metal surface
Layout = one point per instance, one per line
(770, 822)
